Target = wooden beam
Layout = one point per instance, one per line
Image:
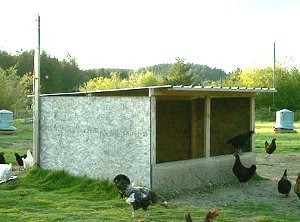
(252, 122)
(162, 92)
(152, 135)
(207, 126)
(194, 127)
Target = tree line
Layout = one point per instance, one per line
(65, 76)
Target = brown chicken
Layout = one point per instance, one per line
(209, 216)
(297, 186)
(270, 147)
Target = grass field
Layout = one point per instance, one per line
(41, 195)
(286, 142)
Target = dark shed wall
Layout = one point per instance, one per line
(180, 129)
(229, 117)
(173, 125)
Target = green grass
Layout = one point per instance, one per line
(19, 141)
(43, 195)
(23, 132)
(285, 143)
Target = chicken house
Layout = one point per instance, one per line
(164, 137)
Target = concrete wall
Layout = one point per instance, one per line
(96, 136)
(191, 174)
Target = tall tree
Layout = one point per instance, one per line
(180, 74)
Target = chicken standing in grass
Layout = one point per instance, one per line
(209, 216)
(5, 172)
(28, 161)
(240, 141)
(242, 173)
(20, 161)
(284, 185)
(121, 182)
(2, 158)
(137, 197)
(270, 147)
(297, 186)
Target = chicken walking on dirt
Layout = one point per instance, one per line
(270, 147)
(242, 173)
(284, 185)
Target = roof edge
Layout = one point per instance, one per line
(168, 87)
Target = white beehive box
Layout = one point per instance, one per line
(284, 120)
(6, 118)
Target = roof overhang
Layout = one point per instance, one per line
(169, 90)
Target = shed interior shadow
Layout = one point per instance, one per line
(180, 126)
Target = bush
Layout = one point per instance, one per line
(269, 114)
(265, 114)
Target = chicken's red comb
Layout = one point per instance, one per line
(214, 213)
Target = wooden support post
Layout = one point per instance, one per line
(152, 133)
(207, 126)
(194, 130)
(36, 102)
(252, 122)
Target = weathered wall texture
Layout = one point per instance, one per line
(191, 174)
(96, 136)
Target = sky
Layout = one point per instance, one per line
(225, 34)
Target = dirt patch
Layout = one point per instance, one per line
(259, 192)
(22, 144)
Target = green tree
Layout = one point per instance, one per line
(14, 89)
(6, 60)
(287, 85)
(134, 79)
(180, 74)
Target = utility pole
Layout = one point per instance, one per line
(36, 100)
(274, 67)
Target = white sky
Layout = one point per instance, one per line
(224, 34)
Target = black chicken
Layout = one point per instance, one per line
(20, 161)
(121, 182)
(270, 148)
(240, 141)
(209, 216)
(137, 197)
(284, 185)
(242, 173)
(2, 158)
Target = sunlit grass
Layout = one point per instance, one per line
(286, 142)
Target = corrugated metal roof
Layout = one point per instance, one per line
(168, 88)
(225, 88)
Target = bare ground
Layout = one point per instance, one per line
(258, 192)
